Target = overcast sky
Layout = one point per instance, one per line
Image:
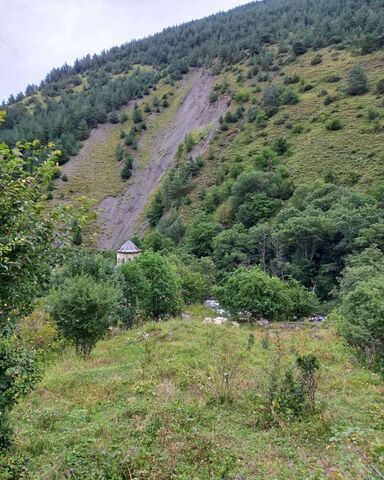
(37, 35)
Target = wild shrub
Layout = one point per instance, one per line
(172, 226)
(37, 331)
(113, 117)
(357, 83)
(316, 60)
(156, 209)
(137, 115)
(334, 124)
(225, 371)
(242, 95)
(213, 97)
(290, 79)
(264, 296)
(126, 171)
(19, 373)
(280, 145)
(333, 79)
(271, 100)
(298, 48)
(123, 117)
(297, 129)
(330, 99)
(306, 87)
(361, 323)
(289, 97)
(373, 114)
(290, 390)
(83, 310)
(152, 286)
(119, 152)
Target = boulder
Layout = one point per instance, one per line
(219, 320)
(214, 304)
(185, 316)
(262, 322)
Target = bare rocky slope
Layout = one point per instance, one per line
(120, 216)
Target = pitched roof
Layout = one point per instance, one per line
(129, 247)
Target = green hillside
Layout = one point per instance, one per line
(238, 158)
(152, 403)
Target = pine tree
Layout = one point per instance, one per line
(137, 116)
(357, 81)
(82, 130)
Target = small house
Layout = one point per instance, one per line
(127, 252)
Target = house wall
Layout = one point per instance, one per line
(125, 257)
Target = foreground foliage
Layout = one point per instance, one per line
(185, 400)
(27, 253)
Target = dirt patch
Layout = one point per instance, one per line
(120, 216)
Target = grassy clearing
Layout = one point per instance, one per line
(145, 405)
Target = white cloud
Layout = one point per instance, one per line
(37, 35)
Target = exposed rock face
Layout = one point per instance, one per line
(119, 217)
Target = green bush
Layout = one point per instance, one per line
(213, 97)
(333, 79)
(290, 392)
(316, 60)
(304, 301)
(152, 286)
(200, 235)
(361, 323)
(242, 95)
(19, 373)
(137, 115)
(289, 97)
(256, 207)
(280, 145)
(357, 81)
(334, 124)
(113, 117)
(126, 171)
(271, 100)
(83, 310)
(330, 99)
(157, 242)
(289, 79)
(255, 292)
(119, 152)
(194, 287)
(100, 268)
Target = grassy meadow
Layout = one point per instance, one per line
(183, 400)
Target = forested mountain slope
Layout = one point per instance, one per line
(299, 88)
(73, 99)
(243, 154)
